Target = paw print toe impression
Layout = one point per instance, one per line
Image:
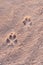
(14, 36)
(7, 40)
(10, 37)
(15, 41)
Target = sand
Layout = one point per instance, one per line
(21, 32)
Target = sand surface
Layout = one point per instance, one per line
(21, 32)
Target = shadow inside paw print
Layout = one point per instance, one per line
(27, 21)
(15, 41)
(7, 40)
(11, 39)
(10, 36)
(14, 36)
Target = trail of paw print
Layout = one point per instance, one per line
(27, 21)
(12, 39)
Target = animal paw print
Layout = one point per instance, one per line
(27, 21)
(12, 39)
